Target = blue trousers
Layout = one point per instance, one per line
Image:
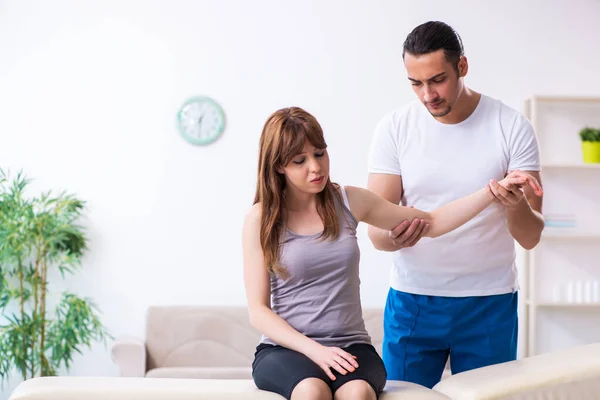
(420, 332)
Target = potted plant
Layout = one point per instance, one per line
(40, 331)
(590, 142)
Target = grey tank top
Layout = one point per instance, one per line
(321, 297)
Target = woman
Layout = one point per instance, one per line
(301, 264)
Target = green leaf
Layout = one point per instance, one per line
(77, 325)
(589, 134)
(37, 235)
(5, 293)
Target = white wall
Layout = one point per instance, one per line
(89, 92)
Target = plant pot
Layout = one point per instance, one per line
(591, 152)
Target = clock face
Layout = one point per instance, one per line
(201, 120)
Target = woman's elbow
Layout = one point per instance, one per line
(433, 234)
(373, 235)
(432, 227)
(255, 315)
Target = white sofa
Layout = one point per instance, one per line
(215, 345)
(202, 342)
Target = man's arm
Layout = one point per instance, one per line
(523, 212)
(406, 234)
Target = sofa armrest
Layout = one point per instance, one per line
(129, 353)
(573, 373)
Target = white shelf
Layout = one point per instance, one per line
(570, 166)
(567, 99)
(550, 304)
(553, 233)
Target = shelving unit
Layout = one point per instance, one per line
(561, 273)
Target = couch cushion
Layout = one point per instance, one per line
(398, 390)
(191, 336)
(214, 336)
(201, 372)
(572, 373)
(373, 318)
(77, 388)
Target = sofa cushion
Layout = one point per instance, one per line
(190, 336)
(77, 388)
(373, 318)
(398, 390)
(201, 372)
(572, 373)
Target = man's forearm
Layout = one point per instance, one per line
(525, 224)
(381, 239)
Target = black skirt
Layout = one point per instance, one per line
(279, 369)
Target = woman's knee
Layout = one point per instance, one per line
(312, 389)
(355, 390)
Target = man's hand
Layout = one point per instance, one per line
(407, 234)
(509, 192)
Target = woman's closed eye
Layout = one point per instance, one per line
(300, 160)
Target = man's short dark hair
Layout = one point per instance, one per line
(432, 36)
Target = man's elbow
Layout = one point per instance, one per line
(532, 240)
(529, 245)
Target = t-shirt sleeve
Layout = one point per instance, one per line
(383, 153)
(524, 147)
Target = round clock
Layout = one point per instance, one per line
(201, 120)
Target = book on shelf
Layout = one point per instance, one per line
(560, 220)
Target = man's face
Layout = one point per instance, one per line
(435, 81)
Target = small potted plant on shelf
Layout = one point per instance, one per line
(590, 144)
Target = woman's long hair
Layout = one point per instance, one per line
(283, 137)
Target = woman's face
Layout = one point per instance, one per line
(308, 172)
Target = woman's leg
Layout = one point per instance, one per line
(367, 381)
(355, 390)
(290, 374)
(311, 389)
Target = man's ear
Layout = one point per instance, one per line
(463, 67)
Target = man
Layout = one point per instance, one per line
(454, 295)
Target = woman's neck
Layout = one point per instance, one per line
(295, 201)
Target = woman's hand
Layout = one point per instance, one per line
(333, 357)
(509, 191)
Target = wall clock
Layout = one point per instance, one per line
(201, 120)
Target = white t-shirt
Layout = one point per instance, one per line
(440, 163)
